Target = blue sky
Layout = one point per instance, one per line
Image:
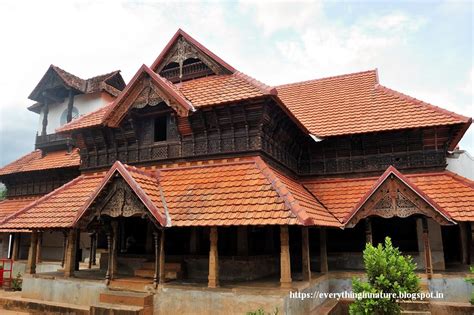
(421, 48)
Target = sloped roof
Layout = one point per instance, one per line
(58, 209)
(357, 103)
(69, 80)
(12, 205)
(34, 161)
(92, 119)
(244, 192)
(453, 194)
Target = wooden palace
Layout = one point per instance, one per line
(195, 173)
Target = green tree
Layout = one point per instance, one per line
(388, 271)
(471, 281)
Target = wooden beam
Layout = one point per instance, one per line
(213, 278)
(305, 256)
(109, 258)
(113, 270)
(31, 264)
(285, 262)
(70, 265)
(45, 118)
(63, 259)
(91, 249)
(323, 250)
(427, 249)
(16, 246)
(162, 258)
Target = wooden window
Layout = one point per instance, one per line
(161, 129)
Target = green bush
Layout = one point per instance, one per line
(471, 281)
(17, 282)
(260, 311)
(388, 271)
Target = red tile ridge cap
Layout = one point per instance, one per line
(392, 170)
(283, 192)
(265, 89)
(421, 103)
(66, 126)
(124, 172)
(335, 77)
(45, 197)
(186, 36)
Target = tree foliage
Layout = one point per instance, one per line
(388, 271)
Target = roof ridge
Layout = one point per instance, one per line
(340, 76)
(421, 103)
(284, 193)
(264, 88)
(45, 197)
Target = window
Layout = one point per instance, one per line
(63, 119)
(161, 124)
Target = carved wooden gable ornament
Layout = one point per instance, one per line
(394, 196)
(119, 195)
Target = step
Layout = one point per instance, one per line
(147, 273)
(415, 305)
(136, 285)
(126, 298)
(150, 265)
(114, 309)
(17, 303)
(416, 312)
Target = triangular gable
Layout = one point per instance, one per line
(393, 195)
(144, 83)
(182, 46)
(130, 177)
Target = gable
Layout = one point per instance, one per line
(394, 196)
(185, 58)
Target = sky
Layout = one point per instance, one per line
(421, 48)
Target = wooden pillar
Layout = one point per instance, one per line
(465, 234)
(157, 259)
(45, 117)
(323, 250)
(16, 246)
(70, 106)
(285, 262)
(94, 252)
(91, 249)
(368, 231)
(70, 264)
(427, 249)
(31, 264)
(305, 255)
(109, 258)
(193, 241)
(161, 274)
(64, 248)
(242, 241)
(113, 254)
(213, 278)
(38, 247)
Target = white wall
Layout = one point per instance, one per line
(461, 163)
(85, 103)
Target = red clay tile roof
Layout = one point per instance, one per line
(88, 120)
(357, 103)
(247, 192)
(12, 205)
(35, 162)
(452, 193)
(58, 209)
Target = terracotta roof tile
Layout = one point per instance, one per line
(92, 119)
(452, 193)
(357, 103)
(34, 161)
(12, 205)
(57, 209)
